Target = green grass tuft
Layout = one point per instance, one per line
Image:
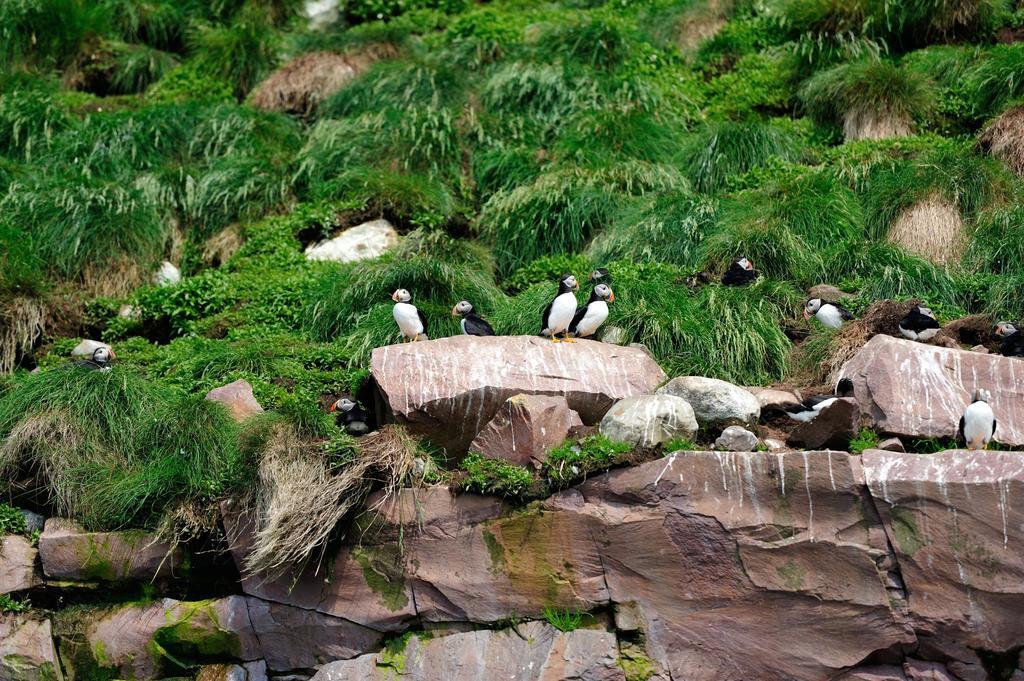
(723, 150)
(494, 476)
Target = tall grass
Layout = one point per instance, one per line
(48, 32)
(725, 149)
(240, 53)
(29, 115)
(999, 79)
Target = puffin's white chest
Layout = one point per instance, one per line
(562, 311)
(926, 334)
(978, 422)
(408, 319)
(594, 317)
(830, 316)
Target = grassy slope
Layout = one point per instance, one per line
(509, 142)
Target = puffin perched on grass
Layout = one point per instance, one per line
(100, 360)
(812, 406)
(354, 419)
(919, 324)
(558, 315)
(409, 318)
(740, 273)
(472, 324)
(1012, 344)
(591, 316)
(978, 424)
(829, 314)
(601, 275)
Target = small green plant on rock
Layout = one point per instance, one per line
(563, 620)
(866, 439)
(573, 459)
(11, 520)
(9, 604)
(494, 476)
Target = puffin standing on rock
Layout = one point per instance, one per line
(100, 360)
(812, 406)
(740, 273)
(978, 424)
(591, 316)
(559, 313)
(919, 324)
(354, 418)
(829, 314)
(1012, 344)
(409, 318)
(472, 324)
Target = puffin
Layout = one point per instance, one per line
(978, 424)
(409, 318)
(601, 274)
(812, 406)
(919, 324)
(558, 314)
(740, 273)
(354, 418)
(472, 324)
(592, 315)
(100, 360)
(829, 314)
(1012, 344)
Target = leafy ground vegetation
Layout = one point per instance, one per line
(868, 144)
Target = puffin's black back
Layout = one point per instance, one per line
(737, 275)
(1013, 345)
(476, 325)
(915, 321)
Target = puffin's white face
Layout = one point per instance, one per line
(401, 296)
(462, 307)
(745, 263)
(569, 281)
(102, 355)
(599, 273)
(604, 292)
(982, 395)
(926, 311)
(1004, 329)
(811, 307)
(343, 405)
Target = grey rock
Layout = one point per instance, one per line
(715, 403)
(648, 420)
(167, 275)
(892, 444)
(362, 242)
(33, 521)
(238, 398)
(27, 652)
(833, 428)
(736, 439)
(69, 552)
(222, 672)
(17, 564)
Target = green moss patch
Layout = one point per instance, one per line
(384, 573)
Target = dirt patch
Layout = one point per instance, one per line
(1004, 138)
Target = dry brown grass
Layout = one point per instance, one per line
(22, 322)
(221, 246)
(875, 125)
(701, 22)
(1004, 138)
(116, 278)
(932, 229)
(299, 500)
(300, 85)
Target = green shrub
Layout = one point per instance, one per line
(187, 82)
(236, 188)
(494, 476)
(759, 84)
(866, 439)
(563, 620)
(369, 10)
(547, 269)
(133, 68)
(240, 53)
(162, 24)
(48, 32)
(601, 40)
(10, 604)
(572, 460)
(11, 520)
(997, 79)
(725, 149)
(888, 272)
(403, 85)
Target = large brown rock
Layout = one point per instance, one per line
(27, 652)
(237, 397)
(915, 390)
(535, 651)
(69, 552)
(17, 564)
(956, 523)
(833, 428)
(526, 428)
(449, 388)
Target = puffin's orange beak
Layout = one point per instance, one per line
(333, 407)
(394, 296)
(611, 297)
(455, 311)
(113, 355)
(807, 315)
(750, 264)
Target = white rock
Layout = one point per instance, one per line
(774, 445)
(130, 312)
(715, 402)
(647, 420)
(736, 439)
(87, 347)
(614, 335)
(321, 13)
(361, 242)
(167, 275)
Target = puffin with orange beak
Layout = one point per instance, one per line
(1012, 340)
(354, 419)
(472, 324)
(740, 273)
(101, 359)
(409, 318)
(829, 314)
(591, 316)
(558, 315)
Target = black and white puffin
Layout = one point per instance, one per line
(601, 275)
(978, 424)
(740, 273)
(829, 314)
(812, 406)
(409, 318)
(100, 360)
(919, 324)
(1012, 344)
(557, 316)
(472, 324)
(354, 419)
(591, 316)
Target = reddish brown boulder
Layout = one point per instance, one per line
(17, 564)
(536, 651)
(69, 552)
(238, 399)
(448, 389)
(526, 428)
(832, 428)
(919, 391)
(956, 525)
(27, 652)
